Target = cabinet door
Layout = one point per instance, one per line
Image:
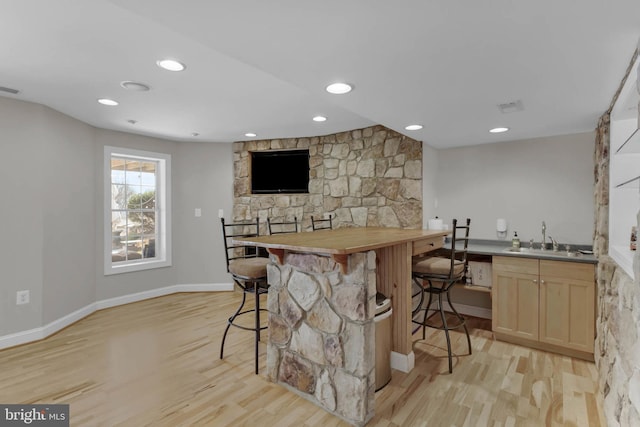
(515, 299)
(567, 305)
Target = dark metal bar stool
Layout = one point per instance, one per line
(436, 276)
(282, 227)
(321, 224)
(249, 273)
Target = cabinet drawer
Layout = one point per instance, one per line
(427, 245)
(567, 270)
(515, 264)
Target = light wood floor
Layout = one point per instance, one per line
(155, 363)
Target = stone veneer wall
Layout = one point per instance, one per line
(321, 331)
(617, 351)
(364, 177)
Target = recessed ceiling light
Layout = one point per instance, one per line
(413, 127)
(250, 134)
(135, 86)
(171, 65)
(498, 130)
(339, 88)
(107, 101)
(319, 119)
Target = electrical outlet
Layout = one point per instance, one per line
(22, 297)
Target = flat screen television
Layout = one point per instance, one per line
(285, 171)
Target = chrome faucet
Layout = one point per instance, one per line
(554, 243)
(544, 237)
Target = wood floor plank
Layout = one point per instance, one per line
(156, 363)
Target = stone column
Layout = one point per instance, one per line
(321, 331)
(363, 177)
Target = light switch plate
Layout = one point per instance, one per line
(198, 212)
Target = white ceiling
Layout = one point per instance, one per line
(262, 66)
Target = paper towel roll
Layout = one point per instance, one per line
(435, 224)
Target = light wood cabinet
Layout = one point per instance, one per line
(514, 303)
(567, 304)
(545, 304)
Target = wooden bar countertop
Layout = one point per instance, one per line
(343, 241)
(339, 243)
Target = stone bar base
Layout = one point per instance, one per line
(321, 331)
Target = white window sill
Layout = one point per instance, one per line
(136, 266)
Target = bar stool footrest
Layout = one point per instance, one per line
(231, 320)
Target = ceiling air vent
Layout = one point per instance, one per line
(511, 107)
(9, 90)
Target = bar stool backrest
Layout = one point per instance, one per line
(322, 223)
(236, 230)
(459, 245)
(282, 227)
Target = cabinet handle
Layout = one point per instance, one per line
(542, 282)
(535, 281)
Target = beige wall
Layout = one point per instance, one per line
(52, 215)
(429, 181)
(21, 216)
(68, 215)
(202, 179)
(526, 182)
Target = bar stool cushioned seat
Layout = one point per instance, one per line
(249, 267)
(438, 265)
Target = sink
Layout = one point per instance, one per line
(522, 250)
(547, 253)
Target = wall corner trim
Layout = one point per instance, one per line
(403, 362)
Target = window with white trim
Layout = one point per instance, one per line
(137, 228)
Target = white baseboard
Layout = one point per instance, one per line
(22, 337)
(159, 292)
(403, 362)
(65, 321)
(205, 287)
(35, 334)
